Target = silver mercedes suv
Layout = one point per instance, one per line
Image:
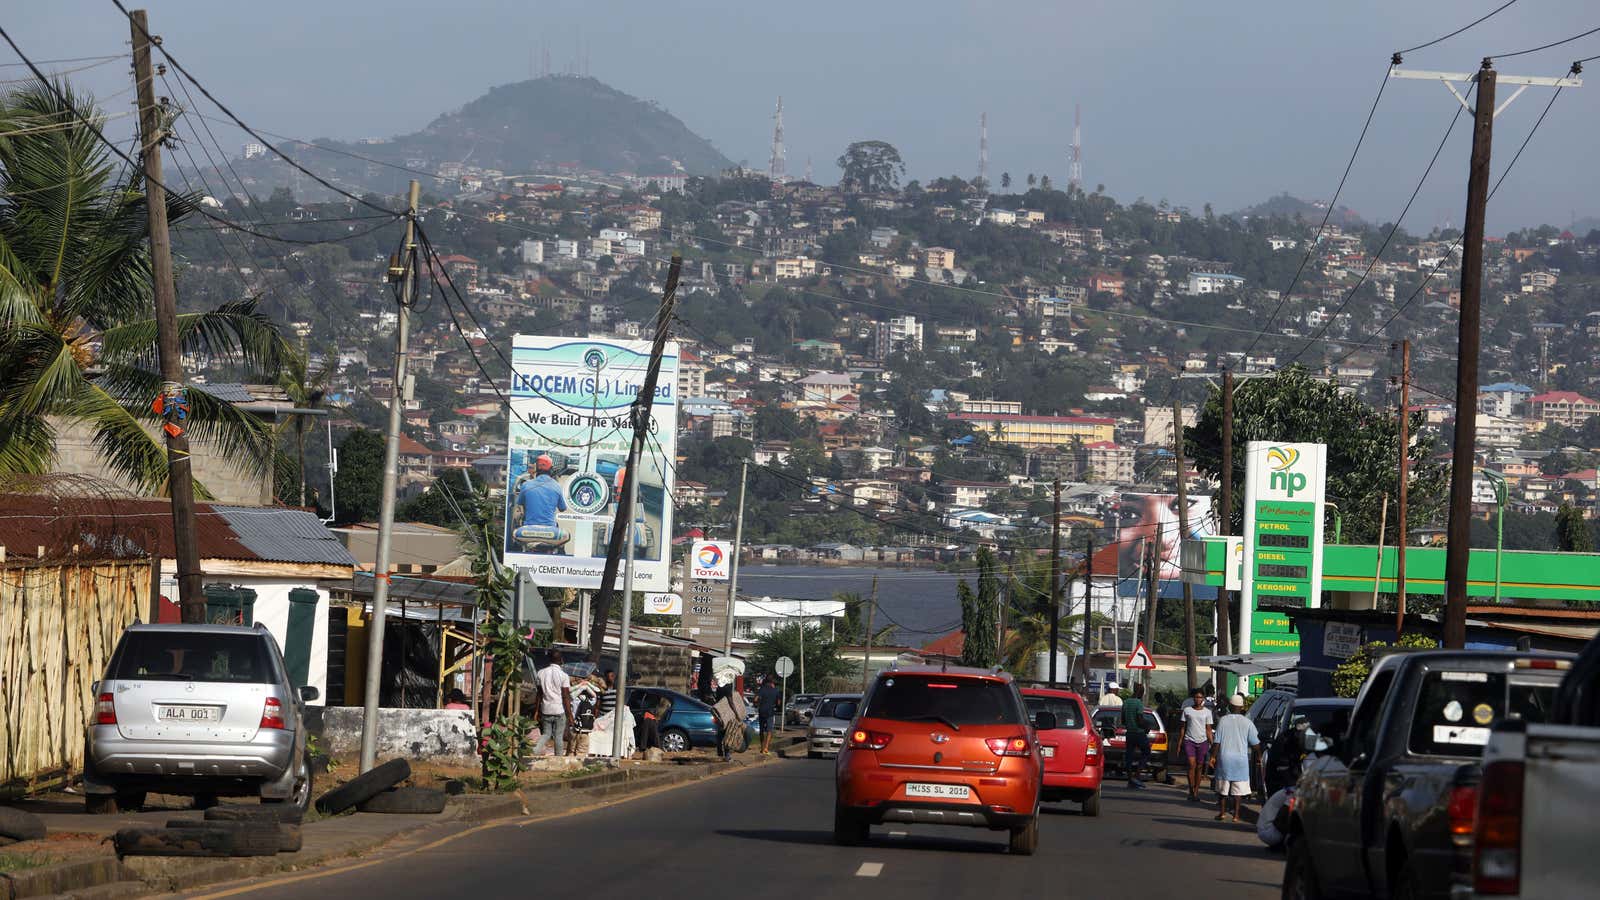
(200, 711)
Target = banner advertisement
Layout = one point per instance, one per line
(568, 446)
(711, 560)
(663, 604)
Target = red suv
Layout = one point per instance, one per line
(942, 747)
(1073, 758)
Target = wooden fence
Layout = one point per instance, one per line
(59, 623)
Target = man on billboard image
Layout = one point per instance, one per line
(537, 502)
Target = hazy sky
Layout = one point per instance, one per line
(1222, 102)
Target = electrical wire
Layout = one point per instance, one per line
(1545, 46)
(1475, 22)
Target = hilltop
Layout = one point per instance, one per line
(1290, 207)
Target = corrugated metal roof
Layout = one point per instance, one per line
(285, 535)
(227, 392)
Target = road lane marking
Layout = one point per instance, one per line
(897, 834)
(869, 870)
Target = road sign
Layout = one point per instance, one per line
(1140, 658)
(784, 667)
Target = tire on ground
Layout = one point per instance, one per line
(290, 838)
(202, 839)
(1091, 804)
(20, 826)
(278, 812)
(413, 800)
(364, 787)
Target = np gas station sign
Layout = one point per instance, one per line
(1285, 486)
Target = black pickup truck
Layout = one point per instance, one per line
(1386, 808)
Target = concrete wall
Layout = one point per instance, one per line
(227, 482)
(438, 735)
(272, 610)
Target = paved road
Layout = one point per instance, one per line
(766, 832)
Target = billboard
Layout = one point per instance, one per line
(711, 560)
(1146, 519)
(663, 604)
(568, 446)
(1284, 506)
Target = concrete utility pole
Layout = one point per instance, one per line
(625, 634)
(403, 270)
(733, 564)
(1055, 581)
(1458, 530)
(1088, 604)
(1152, 600)
(622, 526)
(1401, 539)
(1225, 515)
(180, 470)
(866, 662)
(1183, 534)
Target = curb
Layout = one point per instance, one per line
(68, 878)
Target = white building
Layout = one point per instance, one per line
(753, 618)
(567, 249)
(1213, 283)
(899, 333)
(533, 252)
(253, 150)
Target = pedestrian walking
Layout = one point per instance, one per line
(1198, 729)
(555, 705)
(767, 700)
(1136, 739)
(1237, 742)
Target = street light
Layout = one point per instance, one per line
(1338, 521)
(1498, 481)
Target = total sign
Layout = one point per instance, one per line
(1284, 508)
(710, 560)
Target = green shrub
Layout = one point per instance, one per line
(1352, 673)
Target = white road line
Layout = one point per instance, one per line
(869, 870)
(897, 834)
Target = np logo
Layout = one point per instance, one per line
(1281, 461)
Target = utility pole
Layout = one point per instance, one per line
(1152, 599)
(1458, 530)
(1055, 581)
(403, 270)
(1183, 534)
(1088, 604)
(622, 527)
(733, 564)
(1404, 487)
(180, 471)
(1225, 517)
(624, 637)
(866, 661)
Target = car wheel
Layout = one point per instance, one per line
(1299, 875)
(674, 741)
(100, 804)
(204, 801)
(849, 829)
(299, 800)
(1091, 804)
(1025, 839)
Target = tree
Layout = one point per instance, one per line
(305, 388)
(1044, 182)
(870, 167)
(822, 658)
(1032, 179)
(444, 502)
(1572, 532)
(359, 483)
(1363, 448)
(980, 615)
(77, 341)
(1005, 181)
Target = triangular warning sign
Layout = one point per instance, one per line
(1139, 659)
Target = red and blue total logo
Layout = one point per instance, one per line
(709, 557)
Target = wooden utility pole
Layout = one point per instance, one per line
(622, 527)
(1225, 516)
(1055, 581)
(1152, 599)
(1088, 604)
(1458, 550)
(1404, 488)
(866, 661)
(1183, 535)
(180, 471)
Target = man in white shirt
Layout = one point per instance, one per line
(1109, 698)
(1198, 725)
(555, 702)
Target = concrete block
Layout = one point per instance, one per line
(439, 735)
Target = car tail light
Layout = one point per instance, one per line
(869, 740)
(105, 710)
(1463, 808)
(1016, 746)
(1497, 862)
(1543, 664)
(272, 713)
(1093, 748)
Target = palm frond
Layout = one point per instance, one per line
(234, 330)
(233, 434)
(28, 447)
(131, 451)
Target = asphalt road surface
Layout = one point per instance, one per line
(767, 833)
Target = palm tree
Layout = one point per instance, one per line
(306, 388)
(77, 337)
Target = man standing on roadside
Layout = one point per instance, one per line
(767, 700)
(555, 705)
(1136, 740)
(1237, 742)
(1198, 726)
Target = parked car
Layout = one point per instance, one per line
(829, 724)
(944, 747)
(1386, 809)
(200, 711)
(1281, 757)
(1540, 786)
(1108, 724)
(799, 709)
(687, 724)
(1073, 763)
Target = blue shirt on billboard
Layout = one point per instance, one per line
(541, 499)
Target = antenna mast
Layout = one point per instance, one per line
(775, 165)
(1075, 177)
(983, 147)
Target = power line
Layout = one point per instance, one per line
(1475, 22)
(1544, 46)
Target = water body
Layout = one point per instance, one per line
(921, 603)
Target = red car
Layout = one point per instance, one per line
(1073, 759)
(942, 747)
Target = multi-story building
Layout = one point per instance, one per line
(971, 494)
(1040, 431)
(939, 258)
(1213, 283)
(1106, 283)
(1158, 423)
(1106, 461)
(1504, 399)
(1567, 408)
(1000, 407)
(899, 333)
